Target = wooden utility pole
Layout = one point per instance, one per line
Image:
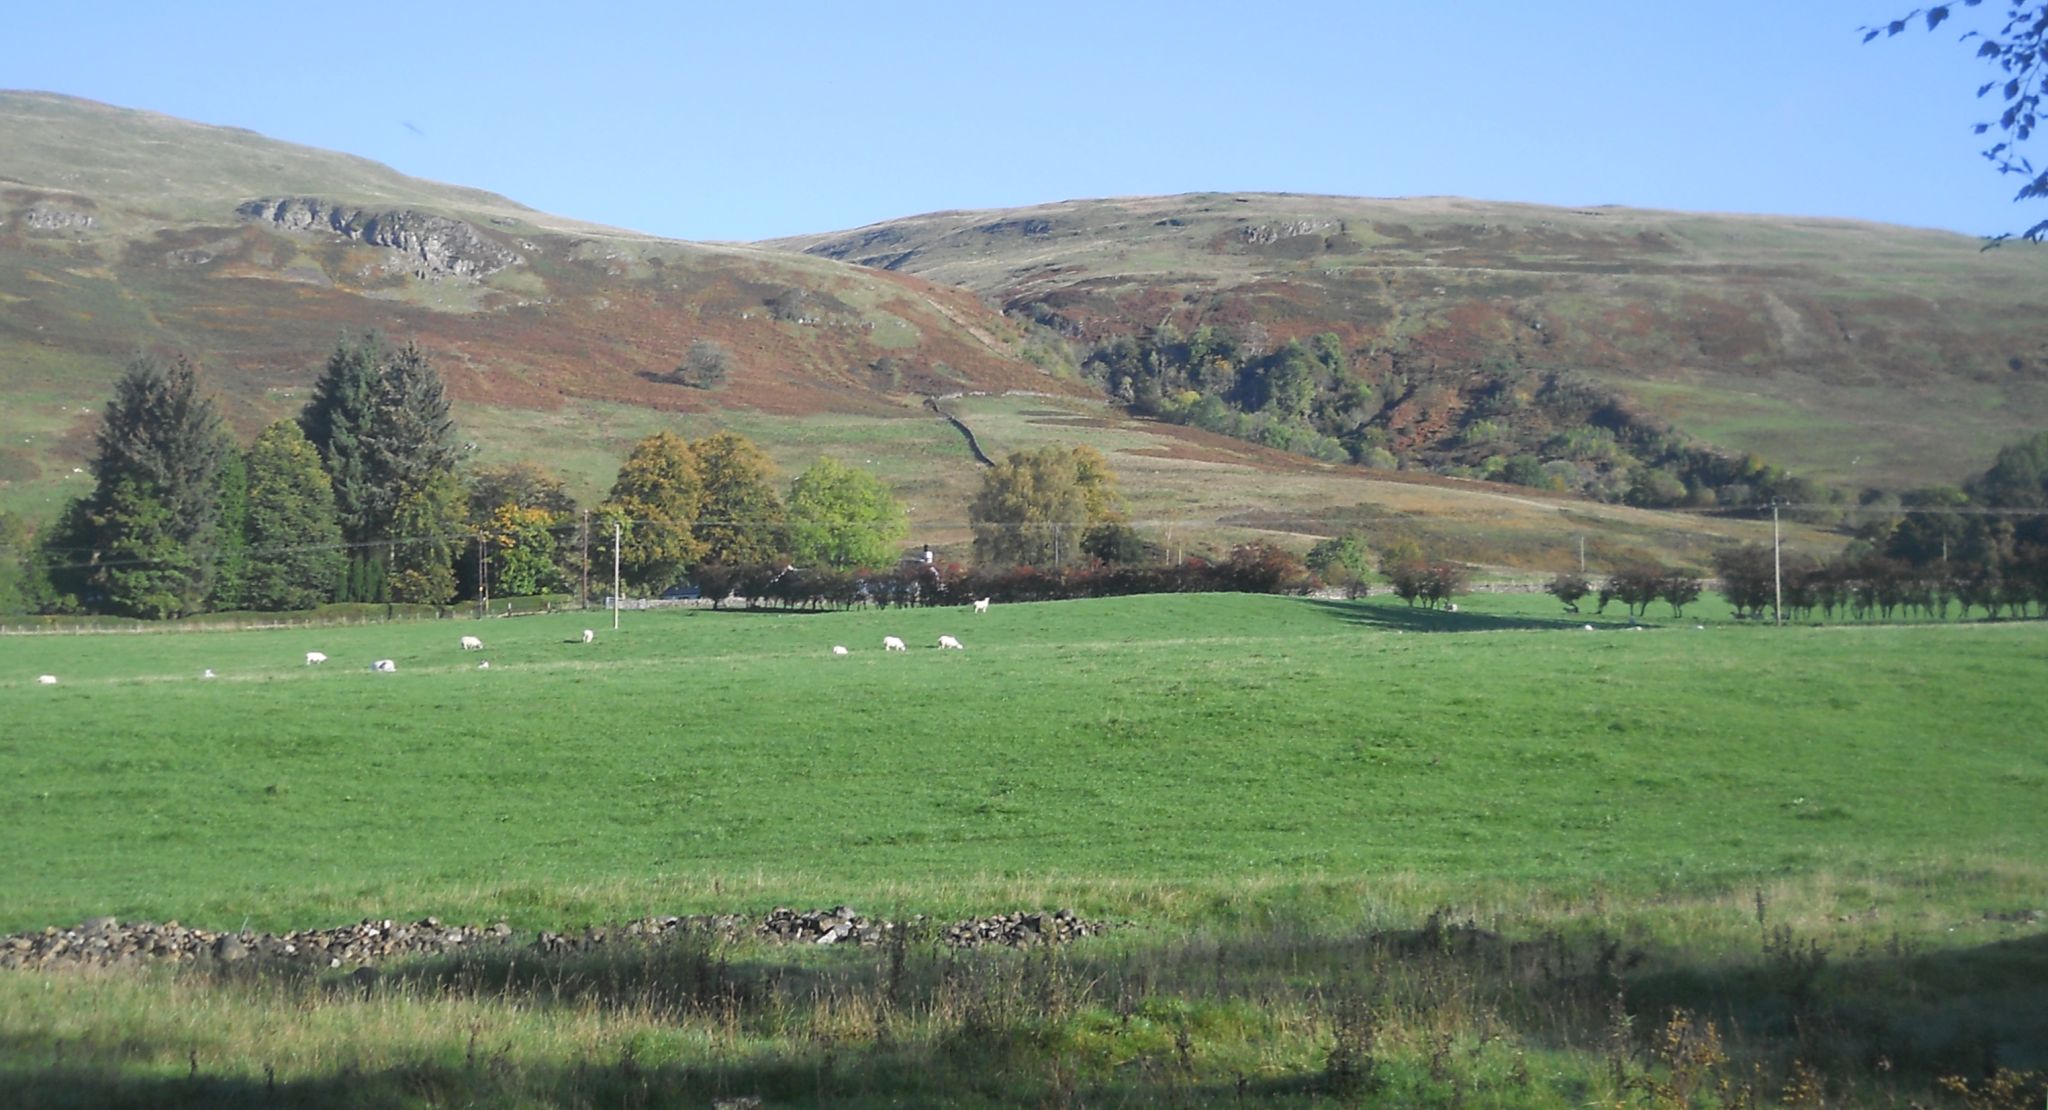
(583, 598)
(1777, 572)
(617, 530)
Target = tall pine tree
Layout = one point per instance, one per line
(156, 500)
(410, 442)
(231, 569)
(380, 420)
(336, 422)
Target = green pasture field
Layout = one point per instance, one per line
(1143, 739)
(1814, 847)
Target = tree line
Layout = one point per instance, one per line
(1546, 429)
(363, 497)
(1929, 553)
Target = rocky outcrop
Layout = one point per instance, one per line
(57, 217)
(103, 940)
(1265, 234)
(434, 246)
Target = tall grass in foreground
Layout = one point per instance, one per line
(1766, 997)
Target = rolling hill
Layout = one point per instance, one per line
(123, 231)
(1856, 354)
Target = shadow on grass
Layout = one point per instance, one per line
(1130, 1022)
(1926, 1015)
(948, 1073)
(1403, 618)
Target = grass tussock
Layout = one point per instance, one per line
(1720, 1001)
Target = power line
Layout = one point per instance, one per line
(570, 528)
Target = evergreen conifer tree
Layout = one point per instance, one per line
(231, 569)
(155, 507)
(336, 421)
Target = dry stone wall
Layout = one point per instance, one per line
(104, 940)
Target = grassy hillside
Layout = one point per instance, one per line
(123, 231)
(1857, 354)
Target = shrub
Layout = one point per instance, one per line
(1569, 588)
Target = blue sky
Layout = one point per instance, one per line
(740, 122)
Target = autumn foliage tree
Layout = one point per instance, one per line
(521, 512)
(740, 518)
(1034, 507)
(655, 501)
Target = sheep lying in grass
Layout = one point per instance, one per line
(950, 642)
(471, 643)
(839, 649)
(589, 635)
(384, 665)
(981, 605)
(47, 679)
(313, 657)
(891, 643)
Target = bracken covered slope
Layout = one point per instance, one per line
(1853, 353)
(123, 231)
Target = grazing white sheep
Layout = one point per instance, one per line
(471, 643)
(1451, 608)
(484, 666)
(891, 643)
(839, 649)
(1589, 628)
(208, 673)
(313, 657)
(589, 635)
(981, 605)
(47, 679)
(384, 665)
(950, 642)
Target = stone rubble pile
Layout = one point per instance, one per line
(103, 940)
